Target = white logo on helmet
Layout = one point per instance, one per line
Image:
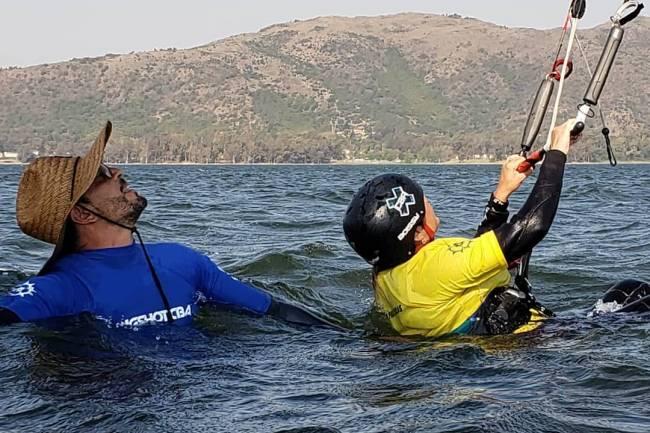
(408, 227)
(401, 201)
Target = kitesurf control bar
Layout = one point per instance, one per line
(626, 13)
(536, 117)
(629, 10)
(545, 91)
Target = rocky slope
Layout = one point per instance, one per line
(409, 86)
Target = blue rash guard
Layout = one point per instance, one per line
(115, 285)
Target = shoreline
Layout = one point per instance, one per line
(358, 163)
(336, 163)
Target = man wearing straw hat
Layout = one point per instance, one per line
(88, 211)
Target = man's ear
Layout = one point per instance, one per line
(81, 216)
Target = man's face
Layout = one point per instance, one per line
(111, 196)
(430, 217)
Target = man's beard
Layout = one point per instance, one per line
(124, 211)
(135, 211)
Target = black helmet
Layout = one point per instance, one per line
(381, 219)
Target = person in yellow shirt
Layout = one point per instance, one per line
(432, 286)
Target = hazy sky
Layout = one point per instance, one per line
(45, 31)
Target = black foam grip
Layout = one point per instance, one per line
(577, 129)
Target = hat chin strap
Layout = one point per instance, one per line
(108, 220)
(154, 275)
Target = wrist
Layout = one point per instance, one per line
(556, 156)
(500, 196)
(497, 203)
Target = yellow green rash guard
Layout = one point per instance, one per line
(442, 286)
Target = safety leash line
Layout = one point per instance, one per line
(558, 97)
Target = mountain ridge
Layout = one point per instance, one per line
(410, 87)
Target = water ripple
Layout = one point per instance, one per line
(279, 227)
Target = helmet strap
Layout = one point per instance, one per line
(429, 231)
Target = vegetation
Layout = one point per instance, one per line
(408, 87)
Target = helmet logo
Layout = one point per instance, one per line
(408, 227)
(401, 201)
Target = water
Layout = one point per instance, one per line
(279, 227)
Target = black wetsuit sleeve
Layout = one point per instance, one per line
(533, 221)
(8, 317)
(293, 314)
(496, 213)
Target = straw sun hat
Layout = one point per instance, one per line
(50, 187)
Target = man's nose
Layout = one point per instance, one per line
(115, 172)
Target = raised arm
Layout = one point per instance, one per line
(496, 210)
(533, 221)
(496, 213)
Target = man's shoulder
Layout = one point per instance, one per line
(452, 244)
(442, 253)
(169, 246)
(456, 245)
(475, 251)
(50, 281)
(67, 263)
(173, 250)
(430, 254)
(453, 239)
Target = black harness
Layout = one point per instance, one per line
(505, 310)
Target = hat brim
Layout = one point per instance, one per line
(84, 176)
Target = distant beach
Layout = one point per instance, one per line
(336, 163)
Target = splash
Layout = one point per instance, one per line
(604, 308)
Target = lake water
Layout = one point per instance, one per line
(279, 227)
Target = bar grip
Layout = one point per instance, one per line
(530, 162)
(577, 129)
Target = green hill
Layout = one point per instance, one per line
(412, 87)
